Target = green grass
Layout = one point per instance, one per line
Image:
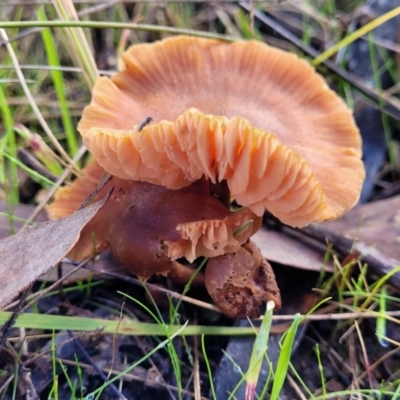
(59, 86)
(125, 327)
(8, 179)
(284, 359)
(356, 35)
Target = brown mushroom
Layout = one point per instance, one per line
(240, 282)
(148, 226)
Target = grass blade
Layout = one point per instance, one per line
(117, 25)
(80, 46)
(58, 81)
(258, 353)
(31, 100)
(207, 362)
(122, 327)
(356, 35)
(284, 358)
(381, 319)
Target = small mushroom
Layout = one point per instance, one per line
(148, 226)
(240, 282)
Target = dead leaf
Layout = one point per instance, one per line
(24, 211)
(27, 255)
(374, 224)
(282, 248)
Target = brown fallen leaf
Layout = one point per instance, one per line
(371, 230)
(280, 247)
(24, 211)
(376, 224)
(378, 262)
(28, 254)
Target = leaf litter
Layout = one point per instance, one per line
(28, 254)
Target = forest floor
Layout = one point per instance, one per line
(92, 330)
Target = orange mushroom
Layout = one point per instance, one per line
(188, 122)
(260, 118)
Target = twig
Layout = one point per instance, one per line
(29, 160)
(295, 387)
(154, 287)
(57, 346)
(57, 283)
(25, 373)
(5, 329)
(196, 369)
(4, 386)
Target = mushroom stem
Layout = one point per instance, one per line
(182, 274)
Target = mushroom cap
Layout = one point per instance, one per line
(148, 226)
(258, 117)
